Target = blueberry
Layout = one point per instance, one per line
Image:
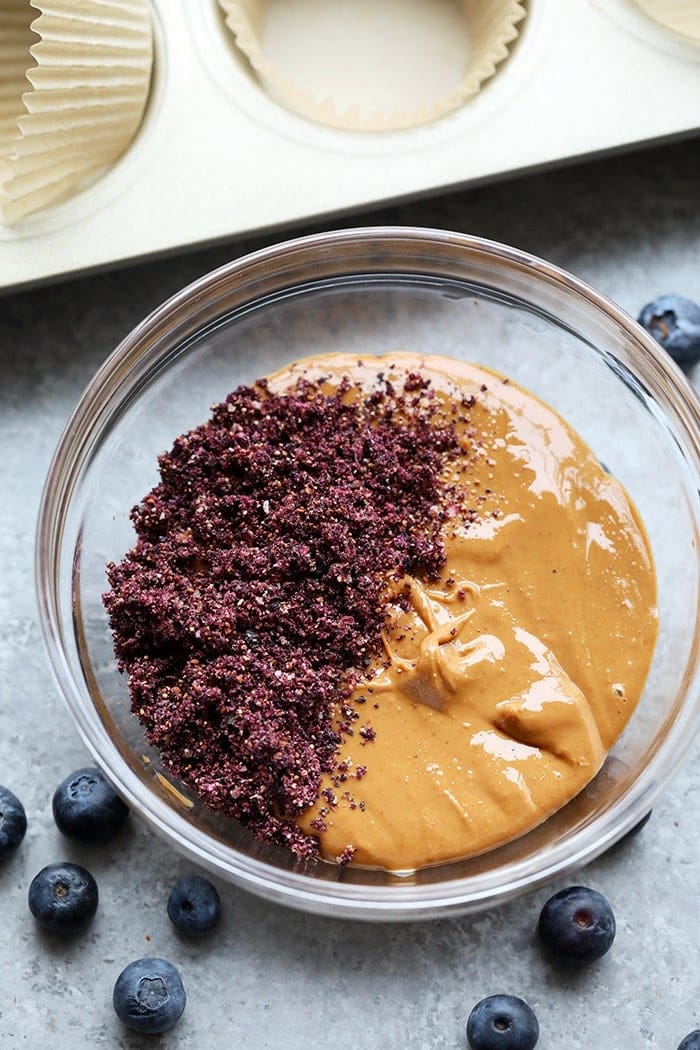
(691, 1041)
(633, 832)
(637, 827)
(502, 1022)
(149, 996)
(63, 898)
(194, 906)
(577, 925)
(13, 822)
(675, 323)
(86, 808)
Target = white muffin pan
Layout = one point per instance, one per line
(215, 158)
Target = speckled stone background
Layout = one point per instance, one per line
(272, 978)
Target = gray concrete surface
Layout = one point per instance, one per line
(272, 978)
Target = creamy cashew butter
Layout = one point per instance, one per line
(503, 683)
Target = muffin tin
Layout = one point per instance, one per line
(363, 65)
(217, 156)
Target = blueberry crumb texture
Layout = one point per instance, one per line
(149, 996)
(675, 323)
(87, 809)
(691, 1041)
(194, 906)
(577, 926)
(13, 822)
(63, 898)
(256, 594)
(502, 1022)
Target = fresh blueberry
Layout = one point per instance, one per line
(577, 925)
(502, 1022)
(637, 827)
(675, 323)
(194, 906)
(149, 996)
(13, 822)
(691, 1041)
(633, 832)
(63, 898)
(86, 808)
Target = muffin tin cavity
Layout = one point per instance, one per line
(373, 65)
(74, 82)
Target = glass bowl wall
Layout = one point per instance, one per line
(373, 291)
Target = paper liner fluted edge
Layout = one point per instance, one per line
(87, 83)
(16, 40)
(352, 118)
(680, 16)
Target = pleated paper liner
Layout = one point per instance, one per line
(681, 16)
(373, 65)
(78, 100)
(16, 39)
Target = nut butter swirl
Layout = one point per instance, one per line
(504, 682)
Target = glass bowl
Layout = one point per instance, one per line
(366, 291)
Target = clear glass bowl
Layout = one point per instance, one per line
(369, 291)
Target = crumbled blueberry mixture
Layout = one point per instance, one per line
(256, 592)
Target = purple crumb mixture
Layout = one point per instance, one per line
(256, 592)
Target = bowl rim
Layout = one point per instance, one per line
(296, 889)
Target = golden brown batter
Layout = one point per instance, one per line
(510, 677)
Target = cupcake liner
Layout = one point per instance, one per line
(15, 43)
(682, 16)
(76, 107)
(491, 25)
